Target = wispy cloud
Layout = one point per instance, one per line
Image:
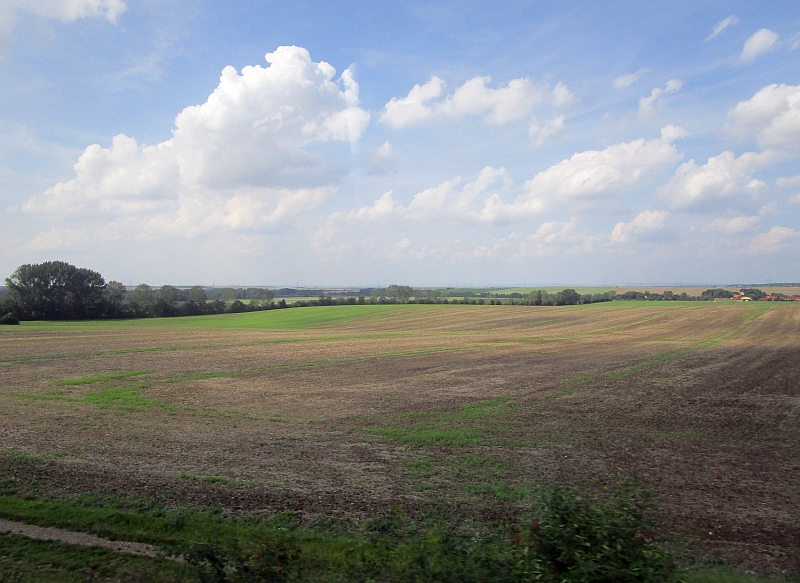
(56, 9)
(758, 44)
(627, 80)
(656, 97)
(732, 20)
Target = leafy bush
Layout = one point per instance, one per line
(243, 562)
(586, 538)
(9, 319)
(573, 538)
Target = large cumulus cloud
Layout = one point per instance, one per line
(237, 160)
(772, 116)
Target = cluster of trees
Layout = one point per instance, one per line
(566, 297)
(647, 295)
(708, 295)
(230, 294)
(56, 290)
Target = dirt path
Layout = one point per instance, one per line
(75, 538)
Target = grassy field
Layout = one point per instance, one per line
(182, 430)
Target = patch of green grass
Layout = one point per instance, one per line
(420, 468)
(484, 461)
(124, 398)
(24, 560)
(472, 424)
(723, 574)
(101, 378)
(654, 361)
(285, 319)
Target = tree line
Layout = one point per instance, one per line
(55, 290)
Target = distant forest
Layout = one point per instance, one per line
(55, 290)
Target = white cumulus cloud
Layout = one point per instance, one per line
(550, 239)
(758, 44)
(775, 240)
(589, 175)
(235, 161)
(413, 108)
(656, 97)
(772, 115)
(718, 183)
(645, 222)
(722, 25)
(498, 106)
(595, 173)
(446, 200)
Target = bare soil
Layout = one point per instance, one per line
(701, 401)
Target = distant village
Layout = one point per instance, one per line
(769, 298)
(750, 295)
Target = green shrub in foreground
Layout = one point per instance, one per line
(573, 538)
(585, 538)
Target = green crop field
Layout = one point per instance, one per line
(284, 319)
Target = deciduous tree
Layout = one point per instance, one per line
(56, 290)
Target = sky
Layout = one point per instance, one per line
(415, 143)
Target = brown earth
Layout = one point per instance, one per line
(702, 401)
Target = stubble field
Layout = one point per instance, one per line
(342, 413)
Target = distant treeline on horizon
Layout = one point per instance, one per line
(56, 290)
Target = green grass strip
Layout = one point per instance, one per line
(125, 398)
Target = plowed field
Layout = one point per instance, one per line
(348, 411)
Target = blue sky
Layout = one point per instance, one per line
(415, 143)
